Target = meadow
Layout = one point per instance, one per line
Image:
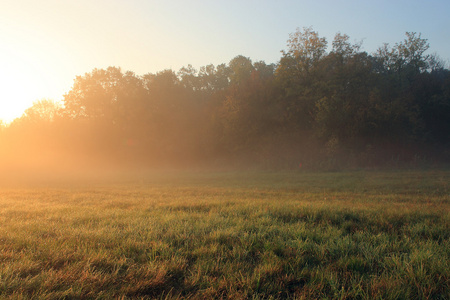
(229, 235)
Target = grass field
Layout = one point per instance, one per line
(352, 235)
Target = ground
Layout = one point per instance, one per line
(236, 235)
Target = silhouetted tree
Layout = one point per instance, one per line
(329, 109)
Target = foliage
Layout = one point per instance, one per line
(388, 108)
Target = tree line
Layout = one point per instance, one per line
(321, 106)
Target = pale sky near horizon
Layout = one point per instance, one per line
(45, 44)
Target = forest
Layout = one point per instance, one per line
(322, 106)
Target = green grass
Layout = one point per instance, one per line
(353, 235)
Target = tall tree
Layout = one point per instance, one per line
(297, 75)
(408, 55)
(104, 95)
(306, 47)
(241, 68)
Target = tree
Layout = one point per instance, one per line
(101, 94)
(346, 82)
(298, 77)
(343, 48)
(431, 92)
(249, 115)
(306, 47)
(92, 95)
(44, 110)
(412, 52)
(407, 56)
(241, 68)
(189, 78)
(314, 106)
(222, 80)
(214, 78)
(263, 70)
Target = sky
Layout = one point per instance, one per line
(45, 44)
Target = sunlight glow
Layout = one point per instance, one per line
(21, 83)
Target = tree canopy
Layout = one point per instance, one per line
(325, 109)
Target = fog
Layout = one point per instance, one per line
(314, 110)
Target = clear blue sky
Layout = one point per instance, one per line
(52, 41)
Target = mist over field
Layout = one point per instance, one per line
(323, 106)
(158, 163)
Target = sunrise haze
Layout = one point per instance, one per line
(44, 45)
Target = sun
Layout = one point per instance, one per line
(21, 83)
